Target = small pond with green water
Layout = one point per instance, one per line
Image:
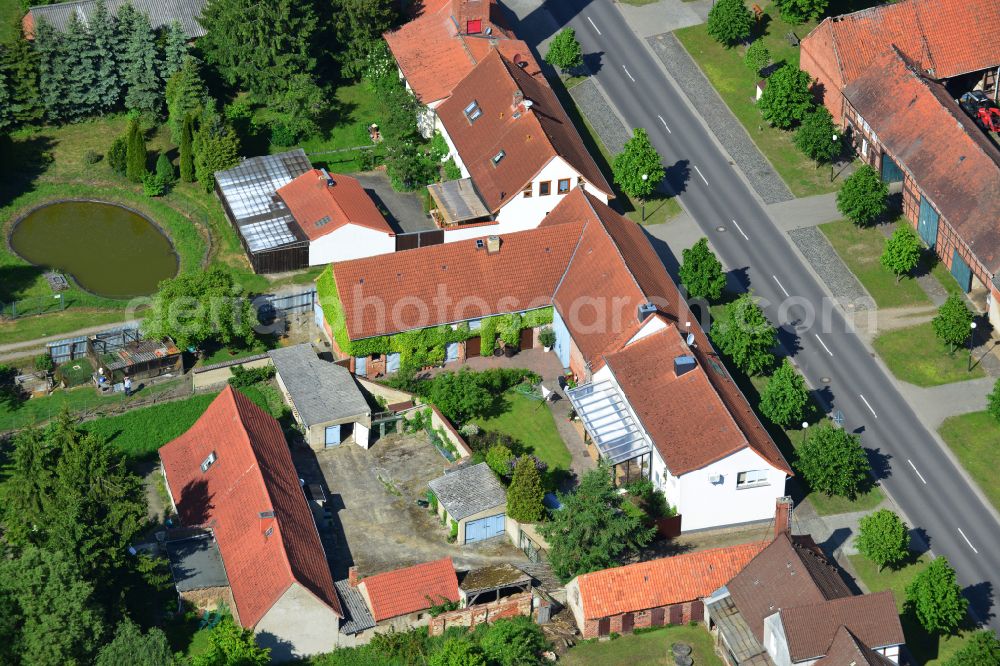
(109, 250)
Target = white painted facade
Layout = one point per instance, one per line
(776, 644)
(351, 241)
(298, 625)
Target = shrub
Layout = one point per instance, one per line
(499, 458)
(165, 169)
(118, 155)
(513, 642)
(547, 337)
(91, 157)
(44, 363)
(243, 376)
(757, 57)
(483, 440)
(451, 170)
(152, 186)
(993, 401)
(282, 134)
(525, 494)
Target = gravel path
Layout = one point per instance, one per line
(831, 269)
(762, 176)
(601, 117)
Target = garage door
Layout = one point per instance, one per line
(484, 528)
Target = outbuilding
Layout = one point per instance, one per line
(324, 397)
(472, 501)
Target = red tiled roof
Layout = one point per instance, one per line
(434, 57)
(686, 419)
(453, 282)
(955, 165)
(312, 200)
(412, 589)
(662, 582)
(530, 138)
(872, 618)
(846, 648)
(944, 37)
(252, 474)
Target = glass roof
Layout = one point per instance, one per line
(609, 422)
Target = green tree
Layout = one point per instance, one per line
(81, 91)
(786, 99)
(175, 50)
(19, 64)
(186, 96)
(757, 57)
(216, 148)
(6, 98)
(833, 462)
(701, 272)
(981, 649)
(131, 646)
(993, 401)
(135, 155)
(863, 197)
(10, 393)
(296, 110)
(639, 158)
(165, 169)
(207, 306)
(902, 251)
(952, 325)
(460, 395)
(785, 397)
(936, 599)
(513, 642)
(54, 73)
(232, 645)
(359, 25)
(108, 83)
(815, 136)
(797, 11)
(744, 334)
(457, 652)
(525, 494)
(118, 155)
(729, 22)
(140, 62)
(883, 538)
(187, 150)
(564, 51)
(499, 457)
(53, 605)
(591, 532)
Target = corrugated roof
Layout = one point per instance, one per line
(160, 13)
(466, 491)
(321, 391)
(357, 615)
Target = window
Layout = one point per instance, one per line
(528, 190)
(498, 157)
(545, 188)
(563, 185)
(208, 462)
(474, 27)
(472, 111)
(475, 324)
(269, 532)
(757, 477)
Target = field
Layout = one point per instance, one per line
(915, 355)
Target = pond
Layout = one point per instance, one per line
(109, 250)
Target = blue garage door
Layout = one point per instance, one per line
(484, 528)
(928, 222)
(332, 436)
(961, 271)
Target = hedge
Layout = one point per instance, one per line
(426, 346)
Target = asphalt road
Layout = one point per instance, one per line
(917, 473)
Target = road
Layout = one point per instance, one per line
(918, 474)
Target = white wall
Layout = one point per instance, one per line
(362, 435)
(298, 625)
(528, 213)
(776, 643)
(351, 241)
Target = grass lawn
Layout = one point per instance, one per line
(140, 432)
(944, 276)
(925, 649)
(915, 355)
(531, 422)
(10, 12)
(646, 648)
(860, 248)
(57, 323)
(221, 354)
(735, 83)
(973, 438)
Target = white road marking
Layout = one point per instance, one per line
(783, 290)
(824, 344)
(664, 124)
(700, 173)
(626, 72)
(967, 541)
(738, 227)
(868, 405)
(594, 25)
(917, 471)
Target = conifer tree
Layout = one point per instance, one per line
(186, 94)
(216, 147)
(143, 90)
(19, 64)
(135, 160)
(81, 59)
(108, 83)
(187, 150)
(174, 50)
(53, 71)
(6, 114)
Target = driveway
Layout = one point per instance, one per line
(375, 523)
(405, 212)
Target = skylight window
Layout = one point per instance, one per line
(208, 462)
(498, 157)
(323, 221)
(472, 111)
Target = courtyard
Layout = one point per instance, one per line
(374, 520)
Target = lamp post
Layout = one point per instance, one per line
(972, 335)
(805, 430)
(645, 177)
(835, 138)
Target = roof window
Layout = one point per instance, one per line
(323, 221)
(474, 27)
(499, 157)
(472, 111)
(208, 462)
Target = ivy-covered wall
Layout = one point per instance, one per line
(425, 346)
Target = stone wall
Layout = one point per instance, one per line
(512, 606)
(219, 373)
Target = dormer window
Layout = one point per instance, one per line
(208, 462)
(499, 157)
(472, 111)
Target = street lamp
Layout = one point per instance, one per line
(835, 138)
(972, 334)
(645, 177)
(805, 430)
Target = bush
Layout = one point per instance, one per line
(525, 494)
(44, 363)
(152, 185)
(91, 157)
(282, 134)
(757, 57)
(499, 458)
(118, 155)
(993, 401)
(466, 394)
(547, 337)
(483, 440)
(249, 376)
(513, 642)
(652, 502)
(165, 169)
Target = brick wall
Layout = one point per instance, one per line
(512, 606)
(625, 623)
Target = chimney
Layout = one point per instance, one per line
(684, 365)
(492, 244)
(352, 576)
(782, 516)
(645, 310)
(471, 16)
